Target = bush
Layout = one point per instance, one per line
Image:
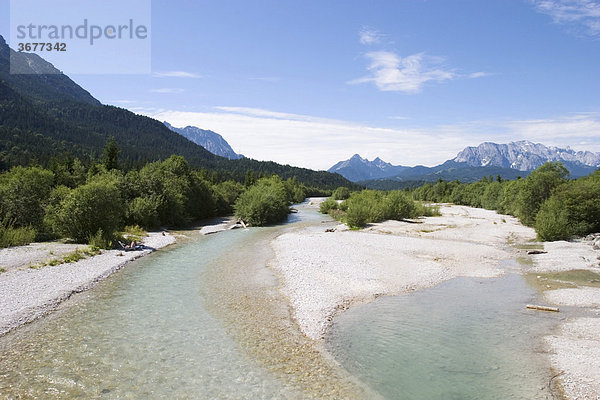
(538, 187)
(357, 215)
(328, 205)
(341, 193)
(143, 211)
(398, 205)
(264, 203)
(572, 210)
(90, 208)
(23, 192)
(11, 236)
(225, 194)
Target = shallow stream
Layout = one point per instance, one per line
(204, 320)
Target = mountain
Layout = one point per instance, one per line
(44, 114)
(38, 79)
(471, 164)
(210, 140)
(527, 156)
(357, 168)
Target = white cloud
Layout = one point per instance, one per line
(369, 36)
(561, 131)
(167, 90)
(176, 74)
(391, 72)
(478, 75)
(318, 143)
(575, 13)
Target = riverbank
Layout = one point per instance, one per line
(326, 269)
(27, 294)
(569, 275)
(325, 272)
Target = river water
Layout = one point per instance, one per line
(204, 320)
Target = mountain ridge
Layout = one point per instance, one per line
(208, 139)
(508, 160)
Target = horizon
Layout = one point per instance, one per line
(412, 83)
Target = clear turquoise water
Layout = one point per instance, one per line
(152, 331)
(144, 333)
(464, 339)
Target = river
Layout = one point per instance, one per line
(204, 320)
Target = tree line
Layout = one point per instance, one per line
(558, 208)
(93, 204)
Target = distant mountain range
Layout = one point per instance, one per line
(210, 140)
(507, 160)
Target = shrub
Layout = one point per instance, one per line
(19, 236)
(398, 205)
(357, 215)
(341, 193)
(264, 203)
(23, 192)
(144, 211)
(572, 210)
(225, 194)
(328, 205)
(538, 187)
(90, 208)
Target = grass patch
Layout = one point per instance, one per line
(75, 256)
(134, 232)
(2, 270)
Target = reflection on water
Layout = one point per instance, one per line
(464, 339)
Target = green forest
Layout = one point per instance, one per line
(94, 205)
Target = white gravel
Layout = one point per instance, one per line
(576, 354)
(326, 272)
(34, 253)
(577, 297)
(565, 256)
(27, 294)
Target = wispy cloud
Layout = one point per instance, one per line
(581, 15)
(369, 36)
(478, 75)
(167, 90)
(578, 128)
(398, 117)
(176, 74)
(390, 72)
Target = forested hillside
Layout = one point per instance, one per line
(48, 116)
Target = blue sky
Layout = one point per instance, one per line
(310, 83)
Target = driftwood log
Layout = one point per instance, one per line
(542, 308)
